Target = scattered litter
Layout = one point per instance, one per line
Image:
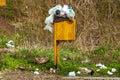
(10, 44)
(85, 61)
(52, 70)
(41, 60)
(102, 66)
(71, 74)
(78, 72)
(21, 68)
(86, 70)
(36, 71)
(110, 73)
(113, 70)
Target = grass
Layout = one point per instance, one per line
(25, 58)
(3, 41)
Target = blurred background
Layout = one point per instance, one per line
(98, 23)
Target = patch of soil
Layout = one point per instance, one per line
(24, 75)
(6, 28)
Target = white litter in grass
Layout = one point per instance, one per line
(78, 72)
(52, 70)
(72, 74)
(113, 70)
(110, 73)
(86, 70)
(85, 61)
(102, 66)
(10, 44)
(36, 71)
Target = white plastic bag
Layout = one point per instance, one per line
(70, 13)
(49, 27)
(49, 19)
(65, 9)
(53, 10)
(72, 74)
(49, 22)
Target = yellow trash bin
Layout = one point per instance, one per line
(2, 2)
(64, 30)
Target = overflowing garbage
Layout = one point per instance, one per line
(10, 44)
(57, 14)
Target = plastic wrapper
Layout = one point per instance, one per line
(53, 10)
(49, 19)
(49, 27)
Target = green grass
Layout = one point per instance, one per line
(25, 58)
(3, 41)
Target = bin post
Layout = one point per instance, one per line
(56, 53)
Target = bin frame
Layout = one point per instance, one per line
(63, 31)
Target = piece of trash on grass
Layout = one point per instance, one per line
(21, 68)
(110, 73)
(41, 60)
(102, 66)
(113, 70)
(10, 44)
(85, 61)
(86, 70)
(36, 71)
(78, 72)
(72, 74)
(52, 70)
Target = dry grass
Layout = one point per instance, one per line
(97, 22)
